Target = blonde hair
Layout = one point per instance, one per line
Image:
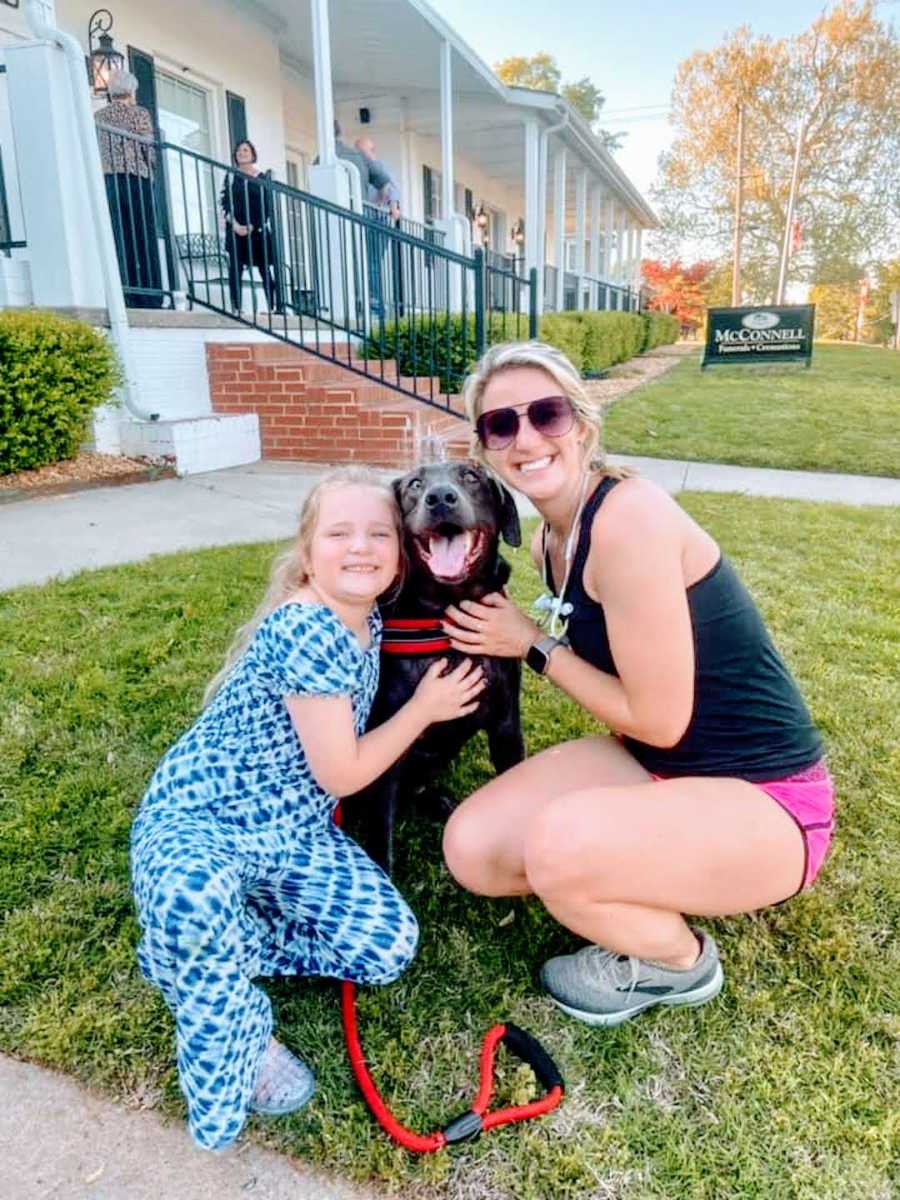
(508, 355)
(290, 571)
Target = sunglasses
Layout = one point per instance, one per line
(551, 416)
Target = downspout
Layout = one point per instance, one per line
(542, 185)
(87, 137)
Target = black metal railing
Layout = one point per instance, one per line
(425, 230)
(351, 287)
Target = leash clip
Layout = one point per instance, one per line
(467, 1127)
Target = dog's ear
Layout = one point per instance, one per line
(397, 488)
(507, 514)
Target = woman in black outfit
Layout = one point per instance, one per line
(248, 206)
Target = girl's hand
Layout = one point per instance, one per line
(495, 627)
(239, 229)
(444, 697)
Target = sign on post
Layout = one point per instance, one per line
(776, 333)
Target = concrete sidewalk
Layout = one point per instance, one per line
(56, 536)
(61, 1142)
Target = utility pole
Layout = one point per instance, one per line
(738, 210)
(789, 218)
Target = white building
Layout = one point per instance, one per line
(550, 199)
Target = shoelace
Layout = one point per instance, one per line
(608, 967)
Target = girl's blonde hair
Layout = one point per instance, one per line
(290, 570)
(508, 355)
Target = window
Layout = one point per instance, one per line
(183, 111)
(184, 120)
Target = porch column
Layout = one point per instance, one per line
(559, 223)
(455, 228)
(329, 178)
(53, 176)
(596, 242)
(608, 248)
(534, 256)
(321, 47)
(447, 189)
(580, 232)
(620, 248)
(638, 238)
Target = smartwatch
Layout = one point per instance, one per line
(538, 655)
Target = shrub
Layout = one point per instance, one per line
(53, 373)
(662, 329)
(445, 346)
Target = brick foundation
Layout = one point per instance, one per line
(313, 410)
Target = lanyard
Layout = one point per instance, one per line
(555, 609)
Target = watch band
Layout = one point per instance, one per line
(538, 656)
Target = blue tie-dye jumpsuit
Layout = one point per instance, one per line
(240, 871)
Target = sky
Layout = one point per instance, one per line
(631, 52)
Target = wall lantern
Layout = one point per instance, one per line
(517, 233)
(102, 57)
(480, 217)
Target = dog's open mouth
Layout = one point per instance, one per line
(450, 552)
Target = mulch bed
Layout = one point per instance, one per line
(88, 470)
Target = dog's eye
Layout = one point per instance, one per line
(472, 477)
(414, 485)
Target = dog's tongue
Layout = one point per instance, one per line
(447, 555)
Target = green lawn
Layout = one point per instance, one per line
(843, 414)
(785, 1088)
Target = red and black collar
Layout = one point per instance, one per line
(414, 635)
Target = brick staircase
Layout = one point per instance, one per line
(314, 410)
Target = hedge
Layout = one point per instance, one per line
(53, 373)
(445, 346)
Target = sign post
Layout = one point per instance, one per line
(775, 333)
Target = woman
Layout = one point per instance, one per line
(250, 228)
(125, 133)
(711, 797)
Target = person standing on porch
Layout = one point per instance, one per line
(248, 206)
(125, 133)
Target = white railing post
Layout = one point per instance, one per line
(534, 253)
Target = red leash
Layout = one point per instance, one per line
(476, 1119)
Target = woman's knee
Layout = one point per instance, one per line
(552, 849)
(467, 850)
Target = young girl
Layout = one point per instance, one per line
(238, 867)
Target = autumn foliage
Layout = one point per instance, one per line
(677, 289)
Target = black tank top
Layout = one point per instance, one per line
(749, 720)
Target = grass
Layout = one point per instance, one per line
(786, 1087)
(843, 414)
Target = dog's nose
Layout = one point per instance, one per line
(441, 495)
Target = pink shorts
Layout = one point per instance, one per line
(808, 797)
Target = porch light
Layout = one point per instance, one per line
(517, 232)
(480, 217)
(102, 57)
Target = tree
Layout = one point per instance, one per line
(841, 78)
(677, 289)
(542, 74)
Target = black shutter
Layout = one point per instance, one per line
(428, 193)
(141, 66)
(237, 119)
(470, 204)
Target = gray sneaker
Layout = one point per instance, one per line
(603, 988)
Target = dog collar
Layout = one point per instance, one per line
(414, 635)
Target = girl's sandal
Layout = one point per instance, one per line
(284, 1083)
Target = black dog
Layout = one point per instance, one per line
(454, 515)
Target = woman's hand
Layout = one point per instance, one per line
(444, 697)
(495, 627)
(239, 229)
